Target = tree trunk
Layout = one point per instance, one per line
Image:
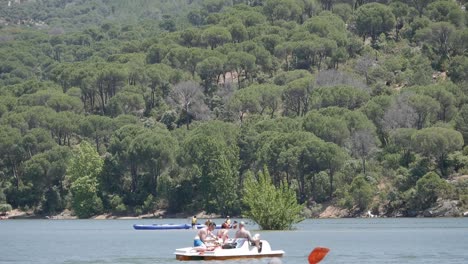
(313, 187)
(133, 172)
(96, 139)
(16, 176)
(364, 165)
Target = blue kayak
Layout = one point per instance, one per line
(162, 227)
(202, 226)
(168, 226)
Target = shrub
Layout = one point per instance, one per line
(149, 204)
(362, 192)
(117, 205)
(52, 202)
(270, 207)
(2, 196)
(428, 189)
(5, 208)
(464, 201)
(85, 201)
(344, 198)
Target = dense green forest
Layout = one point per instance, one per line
(129, 106)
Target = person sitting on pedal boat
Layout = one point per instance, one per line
(205, 239)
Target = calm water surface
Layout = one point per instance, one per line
(413, 240)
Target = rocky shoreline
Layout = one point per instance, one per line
(443, 208)
(68, 215)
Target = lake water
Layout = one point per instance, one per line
(390, 240)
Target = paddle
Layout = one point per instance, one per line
(317, 255)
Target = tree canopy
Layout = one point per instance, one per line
(128, 107)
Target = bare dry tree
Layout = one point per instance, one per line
(400, 114)
(188, 98)
(363, 66)
(331, 78)
(363, 144)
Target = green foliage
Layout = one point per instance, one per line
(283, 78)
(53, 202)
(340, 96)
(152, 151)
(83, 171)
(272, 208)
(278, 9)
(214, 158)
(297, 85)
(433, 35)
(85, 202)
(461, 122)
(444, 10)
(428, 189)
(373, 19)
(458, 161)
(362, 192)
(85, 162)
(2, 196)
(216, 36)
(345, 200)
(464, 200)
(209, 69)
(5, 208)
(437, 142)
(459, 69)
(149, 205)
(117, 205)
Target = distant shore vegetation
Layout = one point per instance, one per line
(129, 107)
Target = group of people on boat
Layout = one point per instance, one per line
(207, 240)
(207, 223)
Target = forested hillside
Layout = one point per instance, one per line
(126, 107)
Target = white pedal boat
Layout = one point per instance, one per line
(242, 250)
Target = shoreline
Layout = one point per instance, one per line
(330, 212)
(68, 215)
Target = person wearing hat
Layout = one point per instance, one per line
(244, 233)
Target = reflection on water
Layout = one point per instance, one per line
(396, 240)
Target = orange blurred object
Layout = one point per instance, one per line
(317, 255)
